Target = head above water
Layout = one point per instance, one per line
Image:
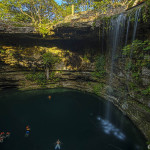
(49, 97)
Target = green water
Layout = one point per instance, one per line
(77, 119)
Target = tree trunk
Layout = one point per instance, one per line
(47, 72)
(72, 9)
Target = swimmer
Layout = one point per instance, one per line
(49, 97)
(2, 135)
(27, 131)
(57, 144)
(1, 139)
(28, 128)
(7, 134)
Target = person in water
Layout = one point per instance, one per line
(49, 97)
(57, 144)
(2, 134)
(27, 131)
(7, 134)
(1, 139)
(27, 128)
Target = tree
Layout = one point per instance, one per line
(80, 5)
(49, 60)
(41, 13)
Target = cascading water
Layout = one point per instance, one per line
(115, 42)
(116, 33)
(103, 34)
(137, 14)
(127, 32)
(125, 105)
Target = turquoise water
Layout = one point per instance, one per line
(77, 119)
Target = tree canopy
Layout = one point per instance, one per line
(43, 13)
(37, 12)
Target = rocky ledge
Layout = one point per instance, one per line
(14, 27)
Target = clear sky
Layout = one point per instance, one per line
(58, 1)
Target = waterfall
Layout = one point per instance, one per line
(103, 34)
(125, 105)
(137, 14)
(116, 37)
(128, 26)
(116, 33)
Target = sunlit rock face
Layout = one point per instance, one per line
(32, 58)
(19, 61)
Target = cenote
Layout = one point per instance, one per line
(46, 61)
(77, 119)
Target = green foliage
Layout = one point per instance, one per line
(128, 65)
(52, 77)
(146, 91)
(38, 77)
(134, 87)
(134, 48)
(49, 59)
(80, 5)
(93, 24)
(135, 75)
(137, 57)
(67, 24)
(138, 51)
(2, 51)
(98, 88)
(101, 5)
(38, 12)
(67, 9)
(146, 11)
(100, 63)
(99, 67)
(146, 108)
(85, 58)
(44, 29)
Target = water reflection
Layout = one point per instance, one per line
(109, 128)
